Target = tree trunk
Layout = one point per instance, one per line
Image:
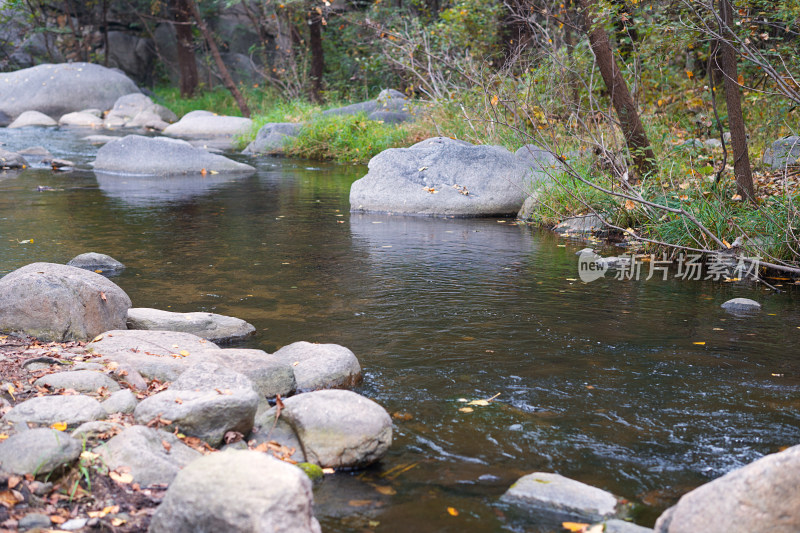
(317, 56)
(741, 159)
(187, 63)
(105, 32)
(635, 136)
(223, 70)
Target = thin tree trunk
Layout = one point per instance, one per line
(628, 115)
(105, 32)
(741, 159)
(317, 56)
(223, 70)
(187, 63)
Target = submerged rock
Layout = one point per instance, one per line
(161, 156)
(60, 303)
(320, 366)
(336, 428)
(237, 491)
(211, 326)
(93, 261)
(762, 496)
(143, 451)
(580, 224)
(741, 304)
(553, 493)
(38, 451)
(442, 176)
(56, 90)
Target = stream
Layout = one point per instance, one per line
(603, 382)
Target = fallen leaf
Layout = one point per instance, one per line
(167, 446)
(736, 197)
(59, 426)
(328, 471)
(422, 168)
(630, 205)
(98, 338)
(466, 409)
(103, 296)
(13, 481)
(3, 436)
(120, 478)
(576, 527)
(184, 353)
(699, 343)
(56, 519)
(203, 172)
(386, 490)
(359, 503)
(452, 511)
(116, 522)
(86, 455)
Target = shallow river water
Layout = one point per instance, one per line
(601, 382)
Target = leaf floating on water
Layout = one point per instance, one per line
(452, 511)
(484, 403)
(699, 343)
(463, 400)
(385, 490)
(575, 527)
(467, 409)
(360, 503)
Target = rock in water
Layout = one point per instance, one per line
(210, 326)
(556, 494)
(442, 176)
(741, 304)
(208, 125)
(336, 428)
(762, 496)
(60, 303)
(56, 90)
(94, 261)
(237, 491)
(161, 156)
(320, 366)
(32, 118)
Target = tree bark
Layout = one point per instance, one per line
(187, 63)
(632, 129)
(223, 70)
(727, 56)
(317, 56)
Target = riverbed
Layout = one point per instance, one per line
(643, 388)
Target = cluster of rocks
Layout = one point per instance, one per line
(148, 375)
(389, 107)
(761, 496)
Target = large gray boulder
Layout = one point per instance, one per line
(237, 492)
(38, 451)
(153, 456)
(273, 137)
(210, 326)
(205, 414)
(442, 176)
(47, 410)
(60, 303)
(556, 494)
(269, 376)
(207, 125)
(336, 428)
(762, 496)
(136, 110)
(320, 366)
(161, 156)
(32, 118)
(133, 55)
(93, 261)
(56, 90)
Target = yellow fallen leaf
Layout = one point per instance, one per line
(630, 205)
(359, 503)
(116, 522)
(386, 490)
(718, 329)
(494, 100)
(482, 403)
(89, 456)
(3, 436)
(466, 409)
(452, 511)
(576, 527)
(736, 197)
(777, 375)
(120, 478)
(184, 353)
(700, 343)
(56, 519)
(726, 243)
(98, 338)
(59, 426)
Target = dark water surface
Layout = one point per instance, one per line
(601, 382)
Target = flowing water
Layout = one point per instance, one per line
(602, 382)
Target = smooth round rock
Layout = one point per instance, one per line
(48, 410)
(237, 492)
(79, 380)
(38, 451)
(94, 262)
(320, 366)
(741, 304)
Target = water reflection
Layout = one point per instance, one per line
(155, 190)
